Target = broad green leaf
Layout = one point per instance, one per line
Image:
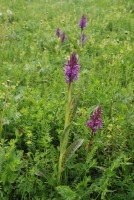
(71, 150)
(64, 139)
(66, 193)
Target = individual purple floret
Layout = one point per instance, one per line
(95, 121)
(83, 22)
(58, 32)
(63, 37)
(72, 68)
(83, 38)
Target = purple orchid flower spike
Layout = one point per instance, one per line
(63, 37)
(83, 22)
(72, 68)
(95, 121)
(83, 38)
(58, 32)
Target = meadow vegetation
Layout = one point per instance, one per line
(33, 100)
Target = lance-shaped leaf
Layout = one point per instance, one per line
(71, 151)
(64, 139)
(66, 192)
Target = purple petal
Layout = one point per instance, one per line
(72, 68)
(83, 22)
(58, 32)
(95, 121)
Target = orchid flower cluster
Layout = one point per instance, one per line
(60, 35)
(72, 69)
(82, 25)
(71, 73)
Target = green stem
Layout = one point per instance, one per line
(67, 118)
(68, 106)
(90, 142)
(60, 169)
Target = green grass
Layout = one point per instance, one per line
(33, 101)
